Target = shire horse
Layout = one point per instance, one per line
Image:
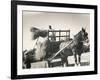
(74, 48)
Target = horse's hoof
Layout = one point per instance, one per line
(75, 65)
(79, 64)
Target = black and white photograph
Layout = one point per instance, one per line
(53, 39)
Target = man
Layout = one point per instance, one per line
(53, 38)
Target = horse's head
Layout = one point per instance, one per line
(84, 35)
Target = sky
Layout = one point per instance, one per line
(59, 21)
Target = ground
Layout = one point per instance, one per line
(85, 61)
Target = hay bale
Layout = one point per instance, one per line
(41, 64)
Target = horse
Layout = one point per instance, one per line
(74, 48)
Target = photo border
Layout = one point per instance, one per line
(14, 38)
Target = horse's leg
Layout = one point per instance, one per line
(62, 59)
(63, 62)
(75, 56)
(79, 59)
(67, 61)
(49, 64)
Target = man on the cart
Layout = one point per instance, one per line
(53, 37)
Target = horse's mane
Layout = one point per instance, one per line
(78, 36)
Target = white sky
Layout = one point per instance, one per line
(58, 21)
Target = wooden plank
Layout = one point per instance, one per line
(59, 36)
(60, 30)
